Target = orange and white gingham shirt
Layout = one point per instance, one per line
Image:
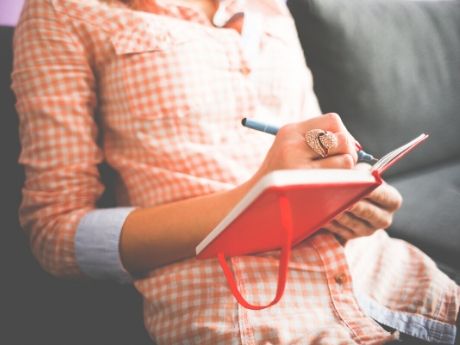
(160, 96)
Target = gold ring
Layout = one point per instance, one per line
(321, 141)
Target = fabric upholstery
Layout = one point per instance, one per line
(390, 69)
(429, 217)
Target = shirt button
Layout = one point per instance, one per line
(340, 278)
(245, 70)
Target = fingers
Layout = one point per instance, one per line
(291, 150)
(332, 123)
(343, 161)
(363, 219)
(386, 197)
(340, 230)
(329, 122)
(345, 145)
(367, 213)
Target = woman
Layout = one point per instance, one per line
(157, 89)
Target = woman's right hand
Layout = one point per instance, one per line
(157, 236)
(290, 150)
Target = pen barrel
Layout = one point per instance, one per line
(363, 157)
(260, 126)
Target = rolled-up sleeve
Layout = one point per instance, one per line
(97, 244)
(55, 89)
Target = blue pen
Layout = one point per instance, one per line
(363, 157)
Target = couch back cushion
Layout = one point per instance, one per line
(391, 69)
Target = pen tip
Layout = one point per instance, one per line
(243, 121)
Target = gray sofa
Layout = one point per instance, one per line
(389, 67)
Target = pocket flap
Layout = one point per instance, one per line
(142, 39)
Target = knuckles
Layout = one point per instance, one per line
(362, 211)
(383, 222)
(286, 130)
(333, 120)
(386, 222)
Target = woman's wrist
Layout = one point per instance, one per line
(155, 236)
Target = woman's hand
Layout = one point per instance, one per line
(159, 235)
(367, 215)
(290, 150)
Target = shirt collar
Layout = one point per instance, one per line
(226, 10)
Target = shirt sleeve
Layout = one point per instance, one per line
(97, 244)
(55, 90)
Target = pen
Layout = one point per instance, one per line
(363, 157)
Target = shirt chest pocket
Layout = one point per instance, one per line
(148, 62)
(164, 69)
(147, 38)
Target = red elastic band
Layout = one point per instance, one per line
(286, 222)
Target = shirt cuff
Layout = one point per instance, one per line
(97, 242)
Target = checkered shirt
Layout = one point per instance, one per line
(159, 96)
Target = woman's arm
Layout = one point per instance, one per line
(156, 236)
(159, 235)
(54, 87)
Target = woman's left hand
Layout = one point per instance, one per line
(368, 215)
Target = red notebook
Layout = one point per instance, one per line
(287, 206)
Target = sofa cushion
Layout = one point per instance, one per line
(430, 215)
(390, 69)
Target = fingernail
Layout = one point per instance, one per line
(358, 146)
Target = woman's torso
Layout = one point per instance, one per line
(173, 89)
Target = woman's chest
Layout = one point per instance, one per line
(168, 67)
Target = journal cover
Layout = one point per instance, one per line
(287, 206)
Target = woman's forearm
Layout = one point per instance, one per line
(155, 236)
(152, 237)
